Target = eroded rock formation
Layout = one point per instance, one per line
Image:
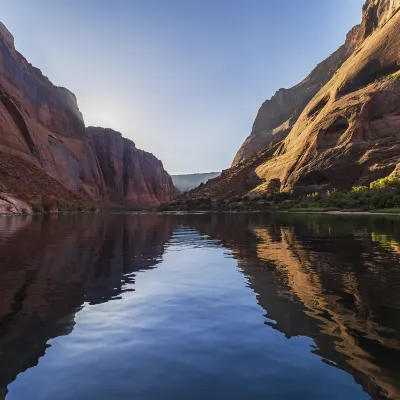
(338, 128)
(277, 116)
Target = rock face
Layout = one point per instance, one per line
(42, 130)
(42, 124)
(130, 175)
(277, 116)
(347, 134)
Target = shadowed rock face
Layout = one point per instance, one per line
(42, 125)
(131, 175)
(375, 14)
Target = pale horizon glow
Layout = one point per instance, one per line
(182, 79)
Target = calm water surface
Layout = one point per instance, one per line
(244, 306)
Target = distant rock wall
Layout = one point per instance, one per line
(190, 181)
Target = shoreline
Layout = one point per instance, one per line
(338, 212)
(121, 210)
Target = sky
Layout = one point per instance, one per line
(183, 79)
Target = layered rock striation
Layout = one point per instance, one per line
(277, 116)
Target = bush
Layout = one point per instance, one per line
(383, 193)
(386, 183)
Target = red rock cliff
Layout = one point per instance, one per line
(131, 175)
(42, 124)
(45, 149)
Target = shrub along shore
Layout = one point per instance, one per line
(383, 194)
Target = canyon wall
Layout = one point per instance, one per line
(338, 128)
(46, 151)
(130, 175)
(277, 115)
(349, 132)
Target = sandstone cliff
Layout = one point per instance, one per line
(42, 124)
(346, 134)
(131, 175)
(45, 149)
(277, 116)
(349, 133)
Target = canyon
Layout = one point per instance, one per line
(186, 182)
(47, 156)
(336, 129)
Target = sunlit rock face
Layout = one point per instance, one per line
(277, 115)
(338, 128)
(349, 133)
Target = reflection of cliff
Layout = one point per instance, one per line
(50, 267)
(333, 282)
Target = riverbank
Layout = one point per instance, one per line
(381, 196)
(345, 212)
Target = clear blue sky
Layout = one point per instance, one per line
(182, 78)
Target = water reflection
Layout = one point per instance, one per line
(51, 266)
(333, 279)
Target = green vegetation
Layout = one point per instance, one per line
(382, 195)
(393, 77)
(74, 208)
